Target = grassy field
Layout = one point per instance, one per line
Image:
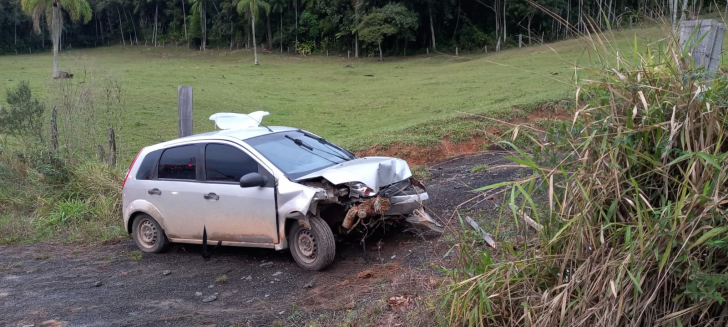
(414, 99)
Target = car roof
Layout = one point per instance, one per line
(237, 134)
(244, 133)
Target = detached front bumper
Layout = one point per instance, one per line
(411, 207)
(405, 204)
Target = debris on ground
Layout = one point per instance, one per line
(309, 284)
(399, 303)
(538, 227)
(51, 323)
(277, 273)
(198, 293)
(209, 299)
(97, 284)
(486, 237)
(166, 272)
(345, 282)
(365, 274)
(266, 264)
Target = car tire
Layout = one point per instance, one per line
(148, 234)
(313, 248)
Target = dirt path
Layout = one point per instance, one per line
(107, 285)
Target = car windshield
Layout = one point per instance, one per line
(297, 153)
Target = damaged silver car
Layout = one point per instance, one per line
(270, 187)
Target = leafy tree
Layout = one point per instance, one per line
(392, 19)
(373, 28)
(76, 10)
(253, 6)
(278, 6)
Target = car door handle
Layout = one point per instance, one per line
(211, 196)
(154, 191)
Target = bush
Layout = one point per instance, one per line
(24, 117)
(635, 228)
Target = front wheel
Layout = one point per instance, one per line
(148, 235)
(312, 248)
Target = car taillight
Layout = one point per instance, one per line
(130, 166)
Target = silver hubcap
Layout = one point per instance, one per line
(147, 233)
(307, 245)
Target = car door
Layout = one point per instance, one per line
(233, 213)
(174, 192)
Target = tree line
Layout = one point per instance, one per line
(357, 27)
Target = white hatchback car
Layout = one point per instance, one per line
(269, 187)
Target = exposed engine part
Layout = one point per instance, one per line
(331, 193)
(343, 191)
(368, 208)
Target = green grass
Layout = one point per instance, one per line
(415, 99)
(135, 255)
(478, 168)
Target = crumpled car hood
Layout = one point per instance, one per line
(375, 172)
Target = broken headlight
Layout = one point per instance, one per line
(359, 190)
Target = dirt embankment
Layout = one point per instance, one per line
(417, 155)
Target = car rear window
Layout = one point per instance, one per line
(146, 168)
(178, 163)
(224, 163)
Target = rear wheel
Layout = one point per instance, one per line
(148, 235)
(312, 248)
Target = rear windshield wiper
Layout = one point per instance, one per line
(310, 148)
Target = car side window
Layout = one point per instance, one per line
(178, 163)
(146, 168)
(225, 163)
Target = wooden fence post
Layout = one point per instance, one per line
(456, 51)
(520, 40)
(184, 110)
(100, 153)
(54, 128)
(705, 51)
(112, 147)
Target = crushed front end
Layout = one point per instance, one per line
(364, 208)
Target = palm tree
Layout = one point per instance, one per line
(76, 9)
(270, 32)
(295, 6)
(252, 7)
(200, 6)
(277, 6)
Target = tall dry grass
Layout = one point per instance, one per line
(636, 217)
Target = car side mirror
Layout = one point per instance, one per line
(253, 180)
